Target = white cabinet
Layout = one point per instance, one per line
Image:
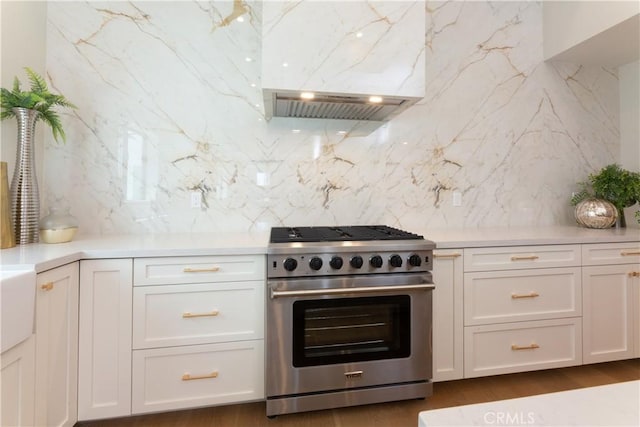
(104, 372)
(447, 315)
(611, 302)
(17, 375)
(519, 295)
(198, 331)
(522, 346)
(56, 327)
(522, 309)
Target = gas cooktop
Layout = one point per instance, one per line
(339, 234)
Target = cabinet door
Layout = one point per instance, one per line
(197, 375)
(608, 312)
(521, 295)
(104, 372)
(57, 346)
(199, 313)
(18, 384)
(447, 315)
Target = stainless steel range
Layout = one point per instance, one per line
(348, 317)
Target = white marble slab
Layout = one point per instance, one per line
(169, 103)
(607, 405)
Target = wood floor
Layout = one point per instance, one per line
(395, 414)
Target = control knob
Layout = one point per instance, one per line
(315, 263)
(290, 264)
(375, 261)
(415, 260)
(336, 262)
(356, 261)
(395, 261)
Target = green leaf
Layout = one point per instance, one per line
(38, 98)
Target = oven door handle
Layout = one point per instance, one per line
(358, 290)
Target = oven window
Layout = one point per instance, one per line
(329, 331)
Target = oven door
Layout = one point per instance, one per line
(336, 333)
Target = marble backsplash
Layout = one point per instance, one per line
(169, 103)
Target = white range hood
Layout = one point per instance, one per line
(355, 60)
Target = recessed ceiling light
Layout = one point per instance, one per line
(253, 85)
(240, 19)
(295, 130)
(285, 64)
(248, 59)
(307, 95)
(342, 132)
(359, 34)
(375, 99)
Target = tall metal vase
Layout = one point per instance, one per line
(25, 200)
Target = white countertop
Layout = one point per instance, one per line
(607, 405)
(41, 256)
(524, 236)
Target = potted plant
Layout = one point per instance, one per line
(38, 99)
(614, 184)
(28, 107)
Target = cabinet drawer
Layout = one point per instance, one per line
(611, 253)
(518, 257)
(203, 269)
(508, 296)
(199, 313)
(186, 377)
(522, 346)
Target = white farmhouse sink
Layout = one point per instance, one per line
(17, 306)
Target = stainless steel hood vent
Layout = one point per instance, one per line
(341, 107)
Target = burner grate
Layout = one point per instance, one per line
(337, 234)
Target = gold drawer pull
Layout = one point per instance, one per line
(634, 274)
(47, 286)
(631, 253)
(529, 295)
(525, 347)
(189, 377)
(524, 258)
(201, 270)
(188, 315)
(447, 256)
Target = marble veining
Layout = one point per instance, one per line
(169, 97)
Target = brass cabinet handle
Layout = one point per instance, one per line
(629, 253)
(529, 295)
(447, 256)
(524, 257)
(187, 315)
(47, 286)
(201, 270)
(525, 347)
(634, 274)
(189, 377)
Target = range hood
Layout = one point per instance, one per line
(342, 60)
(334, 106)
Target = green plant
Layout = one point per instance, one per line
(619, 186)
(38, 98)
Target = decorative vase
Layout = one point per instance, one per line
(7, 239)
(58, 227)
(621, 221)
(25, 200)
(596, 213)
